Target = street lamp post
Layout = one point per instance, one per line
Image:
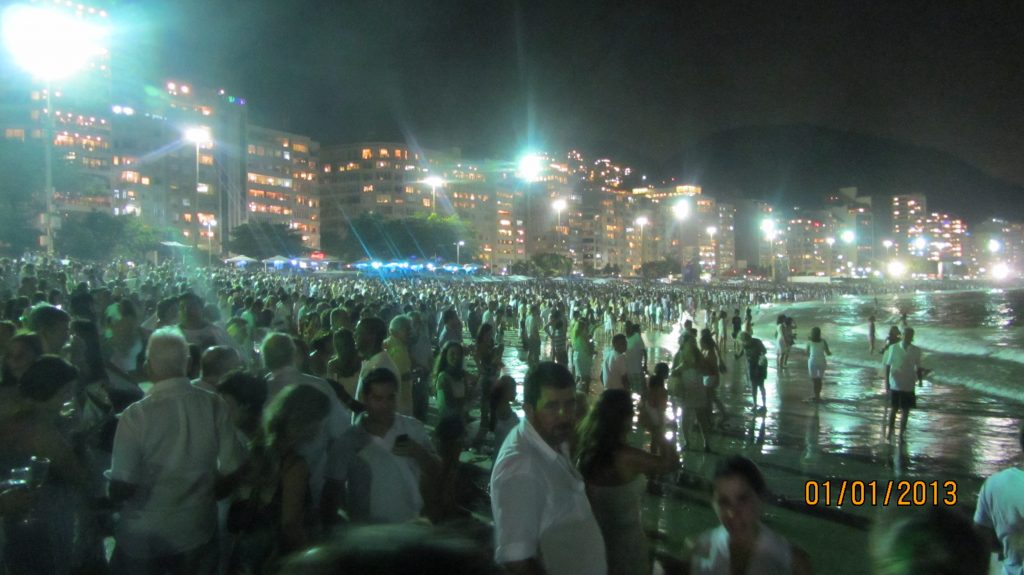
(681, 211)
(712, 230)
(434, 182)
(50, 44)
(768, 227)
(210, 224)
(831, 242)
(458, 252)
(559, 205)
(198, 135)
(642, 221)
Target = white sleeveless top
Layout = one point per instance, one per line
(816, 351)
(773, 555)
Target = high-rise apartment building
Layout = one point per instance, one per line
(282, 182)
(906, 216)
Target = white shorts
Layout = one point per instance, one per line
(816, 369)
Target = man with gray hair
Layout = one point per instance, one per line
(280, 359)
(170, 450)
(397, 346)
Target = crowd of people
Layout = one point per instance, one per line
(222, 420)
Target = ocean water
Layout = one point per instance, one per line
(973, 340)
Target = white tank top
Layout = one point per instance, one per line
(772, 556)
(816, 351)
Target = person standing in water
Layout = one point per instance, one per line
(871, 334)
(817, 350)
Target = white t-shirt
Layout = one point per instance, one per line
(904, 363)
(1001, 507)
(382, 487)
(540, 508)
(613, 368)
(171, 445)
(635, 351)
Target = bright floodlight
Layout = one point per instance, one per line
(896, 268)
(681, 209)
(830, 241)
(712, 230)
(49, 43)
(1000, 271)
(434, 181)
(559, 205)
(920, 243)
(198, 135)
(848, 236)
(530, 167)
(642, 221)
(994, 245)
(461, 243)
(887, 244)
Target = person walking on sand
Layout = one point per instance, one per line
(902, 370)
(871, 334)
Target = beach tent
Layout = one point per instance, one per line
(240, 260)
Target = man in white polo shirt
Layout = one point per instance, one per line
(170, 449)
(902, 371)
(543, 522)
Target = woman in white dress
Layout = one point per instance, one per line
(615, 475)
(742, 543)
(817, 350)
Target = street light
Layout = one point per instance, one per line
(831, 242)
(50, 44)
(994, 246)
(712, 230)
(887, 244)
(642, 221)
(210, 224)
(199, 136)
(434, 182)
(848, 236)
(768, 227)
(458, 252)
(530, 167)
(559, 205)
(681, 210)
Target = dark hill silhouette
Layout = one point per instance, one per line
(799, 165)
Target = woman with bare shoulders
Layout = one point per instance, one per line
(615, 473)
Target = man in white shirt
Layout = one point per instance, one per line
(279, 358)
(533, 324)
(636, 358)
(381, 460)
(170, 450)
(1000, 515)
(369, 336)
(543, 522)
(902, 370)
(613, 366)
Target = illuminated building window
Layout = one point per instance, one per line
(130, 176)
(203, 188)
(368, 188)
(384, 153)
(206, 159)
(187, 217)
(367, 154)
(300, 148)
(145, 180)
(14, 134)
(382, 199)
(251, 149)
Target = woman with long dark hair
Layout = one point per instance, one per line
(451, 382)
(615, 473)
(488, 363)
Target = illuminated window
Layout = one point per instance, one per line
(187, 217)
(368, 188)
(206, 159)
(203, 188)
(252, 149)
(130, 176)
(384, 153)
(14, 134)
(367, 154)
(382, 199)
(145, 180)
(398, 153)
(300, 148)
(287, 155)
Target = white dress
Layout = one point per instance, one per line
(772, 556)
(617, 510)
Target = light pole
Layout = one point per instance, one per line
(530, 169)
(559, 205)
(886, 244)
(681, 211)
(210, 224)
(768, 227)
(642, 221)
(50, 44)
(198, 135)
(458, 252)
(434, 182)
(831, 242)
(712, 230)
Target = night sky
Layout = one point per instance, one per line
(496, 76)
